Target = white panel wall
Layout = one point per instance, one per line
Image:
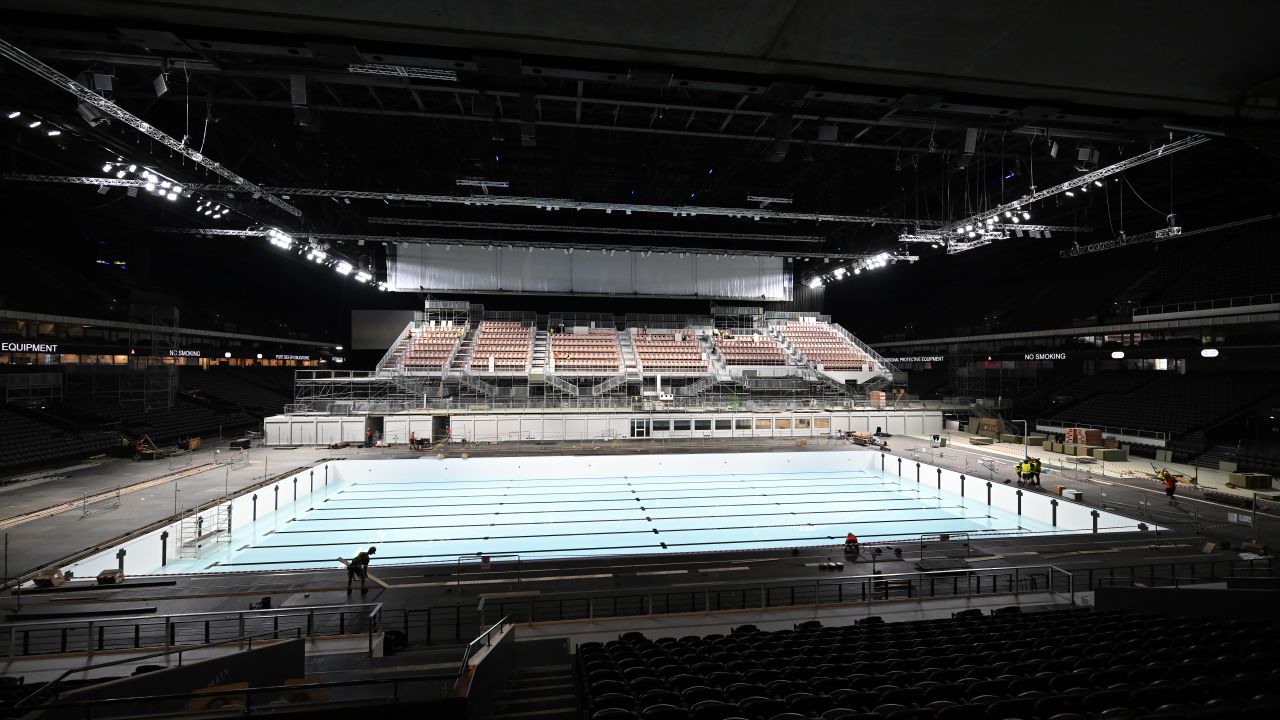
(444, 267)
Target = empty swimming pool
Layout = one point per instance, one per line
(435, 511)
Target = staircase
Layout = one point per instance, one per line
(538, 360)
(1210, 457)
(561, 384)
(539, 692)
(393, 360)
(630, 360)
(608, 384)
(462, 357)
(477, 384)
(699, 385)
(714, 360)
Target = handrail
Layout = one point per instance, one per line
(136, 658)
(1214, 304)
(392, 349)
(273, 612)
(486, 636)
(1050, 424)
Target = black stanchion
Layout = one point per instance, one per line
(1053, 504)
(164, 548)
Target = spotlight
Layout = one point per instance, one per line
(1070, 194)
(857, 271)
(1015, 220)
(151, 187)
(259, 356)
(343, 267)
(1026, 215)
(1209, 353)
(971, 234)
(54, 133)
(165, 184)
(106, 167)
(133, 168)
(968, 228)
(33, 124)
(120, 173)
(1098, 183)
(172, 196)
(226, 354)
(1117, 355)
(14, 114)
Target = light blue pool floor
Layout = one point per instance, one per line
(439, 520)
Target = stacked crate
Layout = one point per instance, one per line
(1084, 436)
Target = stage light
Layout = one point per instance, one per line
(934, 246)
(363, 276)
(133, 168)
(106, 167)
(815, 283)
(177, 189)
(1026, 215)
(33, 124)
(54, 133)
(14, 114)
(857, 271)
(1015, 220)
(226, 354)
(120, 173)
(1070, 194)
(151, 187)
(968, 228)
(259, 356)
(959, 231)
(343, 267)
(165, 184)
(1117, 355)
(208, 212)
(972, 235)
(1008, 214)
(1209, 353)
(1084, 188)
(1098, 183)
(172, 196)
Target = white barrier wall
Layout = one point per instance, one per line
(509, 427)
(143, 554)
(313, 429)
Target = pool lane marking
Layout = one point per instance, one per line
(598, 520)
(588, 552)
(562, 501)
(600, 493)
(548, 512)
(850, 471)
(492, 538)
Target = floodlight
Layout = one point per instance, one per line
(33, 124)
(14, 114)
(54, 133)
(1117, 355)
(343, 267)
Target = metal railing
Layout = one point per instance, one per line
(1056, 425)
(1241, 301)
(253, 700)
(1173, 574)
(54, 684)
(386, 358)
(186, 629)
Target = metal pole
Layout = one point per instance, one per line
(164, 548)
(1054, 505)
(1094, 513)
(1254, 522)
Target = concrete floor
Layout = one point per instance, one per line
(39, 541)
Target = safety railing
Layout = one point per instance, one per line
(254, 700)
(167, 631)
(1173, 574)
(52, 687)
(1240, 301)
(391, 351)
(1058, 425)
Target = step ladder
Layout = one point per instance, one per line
(201, 529)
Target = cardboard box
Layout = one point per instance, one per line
(1057, 489)
(1074, 495)
(1110, 454)
(1250, 481)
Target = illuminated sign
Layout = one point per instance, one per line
(915, 358)
(293, 357)
(184, 353)
(28, 347)
(1046, 356)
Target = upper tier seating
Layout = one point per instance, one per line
(1058, 665)
(24, 441)
(669, 351)
(1174, 403)
(750, 349)
(594, 351)
(510, 344)
(822, 345)
(432, 348)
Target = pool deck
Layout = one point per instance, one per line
(38, 541)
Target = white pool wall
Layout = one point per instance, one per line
(143, 554)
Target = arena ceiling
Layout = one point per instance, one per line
(923, 110)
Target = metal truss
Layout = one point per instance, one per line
(355, 237)
(1156, 236)
(539, 203)
(463, 224)
(957, 245)
(21, 58)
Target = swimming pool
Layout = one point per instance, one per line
(436, 511)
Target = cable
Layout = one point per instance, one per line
(1144, 201)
